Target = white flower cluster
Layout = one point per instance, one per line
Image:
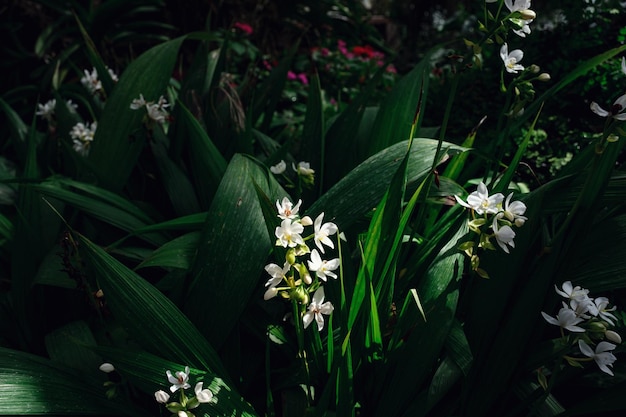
(505, 216)
(589, 319)
(156, 111)
(82, 136)
(91, 81)
(180, 381)
(283, 279)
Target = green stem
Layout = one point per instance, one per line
(301, 350)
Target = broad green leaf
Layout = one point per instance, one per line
(177, 253)
(70, 345)
(51, 271)
(313, 130)
(359, 192)
(149, 316)
(207, 164)
(397, 112)
(342, 153)
(99, 203)
(233, 249)
(411, 362)
(32, 385)
(175, 183)
(115, 150)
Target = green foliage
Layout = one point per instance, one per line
(147, 243)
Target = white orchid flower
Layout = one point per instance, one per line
(565, 319)
(504, 235)
(602, 355)
(511, 59)
(286, 209)
(288, 234)
(323, 269)
(179, 380)
(322, 231)
(279, 168)
(618, 110)
(316, 310)
(480, 200)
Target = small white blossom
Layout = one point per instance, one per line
(91, 81)
(156, 111)
(179, 380)
(303, 168)
(279, 168)
(288, 234)
(527, 15)
(602, 355)
(572, 293)
(286, 209)
(161, 396)
(601, 310)
(316, 309)
(565, 319)
(514, 211)
(203, 395)
(504, 235)
(618, 110)
(480, 200)
(511, 59)
(46, 110)
(322, 268)
(277, 273)
(322, 231)
(82, 136)
(138, 103)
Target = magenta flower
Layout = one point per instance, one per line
(244, 27)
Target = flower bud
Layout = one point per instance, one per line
(300, 294)
(597, 327)
(527, 14)
(161, 396)
(544, 76)
(291, 256)
(534, 69)
(306, 221)
(107, 367)
(612, 138)
(304, 274)
(270, 293)
(613, 336)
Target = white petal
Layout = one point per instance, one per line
(585, 349)
(595, 107)
(307, 318)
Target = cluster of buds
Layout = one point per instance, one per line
(496, 219)
(588, 321)
(306, 175)
(293, 280)
(155, 112)
(180, 382)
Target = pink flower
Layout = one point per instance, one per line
(244, 27)
(291, 75)
(341, 45)
(303, 79)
